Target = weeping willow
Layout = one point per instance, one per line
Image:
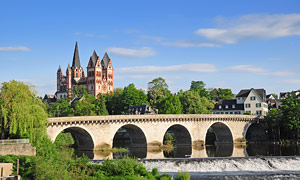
(22, 113)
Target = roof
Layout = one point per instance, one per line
(94, 58)
(140, 109)
(229, 103)
(59, 69)
(105, 60)
(245, 93)
(76, 60)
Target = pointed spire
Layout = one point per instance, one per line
(59, 69)
(105, 60)
(94, 58)
(76, 60)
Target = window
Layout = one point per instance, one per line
(230, 112)
(233, 106)
(252, 98)
(226, 106)
(222, 112)
(247, 105)
(236, 112)
(220, 106)
(258, 112)
(226, 112)
(258, 104)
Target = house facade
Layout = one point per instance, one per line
(251, 101)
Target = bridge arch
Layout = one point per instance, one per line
(181, 135)
(221, 132)
(132, 137)
(255, 132)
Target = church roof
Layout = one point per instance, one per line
(94, 58)
(76, 60)
(59, 69)
(105, 60)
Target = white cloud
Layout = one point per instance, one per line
(15, 48)
(187, 44)
(153, 38)
(293, 81)
(199, 68)
(247, 68)
(136, 53)
(261, 71)
(253, 27)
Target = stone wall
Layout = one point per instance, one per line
(17, 149)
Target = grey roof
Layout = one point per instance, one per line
(76, 60)
(59, 69)
(260, 92)
(229, 103)
(105, 60)
(140, 109)
(94, 58)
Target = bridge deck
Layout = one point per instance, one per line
(158, 117)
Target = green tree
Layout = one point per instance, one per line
(218, 94)
(290, 113)
(79, 91)
(157, 89)
(273, 123)
(170, 105)
(85, 107)
(199, 86)
(194, 104)
(22, 114)
(60, 108)
(114, 102)
(133, 96)
(100, 105)
(275, 95)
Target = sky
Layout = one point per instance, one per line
(226, 44)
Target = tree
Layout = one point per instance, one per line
(79, 91)
(61, 108)
(170, 105)
(22, 114)
(218, 94)
(85, 107)
(157, 89)
(100, 105)
(199, 86)
(273, 123)
(133, 96)
(290, 113)
(158, 84)
(194, 104)
(114, 102)
(275, 95)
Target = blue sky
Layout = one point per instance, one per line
(227, 44)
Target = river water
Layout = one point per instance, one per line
(223, 161)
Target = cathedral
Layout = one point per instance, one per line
(99, 79)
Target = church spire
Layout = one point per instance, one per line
(76, 60)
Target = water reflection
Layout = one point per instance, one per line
(220, 150)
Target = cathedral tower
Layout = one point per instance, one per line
(94, 75)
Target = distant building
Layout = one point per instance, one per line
(141, 109)
(284, 95)
(248, 100)
(49, 98)
(99, 77)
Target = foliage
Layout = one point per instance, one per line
(183, 176)
(169, 138)
(85, 107)
(170, 105)
(79, 91)
(154, 96)
(218, 94)
(275, 95)
(60, 108)
(64, 140)
(114, 102)
(285, 120)
(247, 113)
(100, 107)
(157, 89)
(22, 114)
(158, 84)
(194, 104)
(133, 96)
(199, 86)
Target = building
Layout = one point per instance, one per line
(99, 79)
(252, 101)
(141, 109)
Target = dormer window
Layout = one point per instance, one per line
(233, 106)
(226, 106)
(220, 106)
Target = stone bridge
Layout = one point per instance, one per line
(144, 131)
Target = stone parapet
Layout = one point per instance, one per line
(17, 149)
